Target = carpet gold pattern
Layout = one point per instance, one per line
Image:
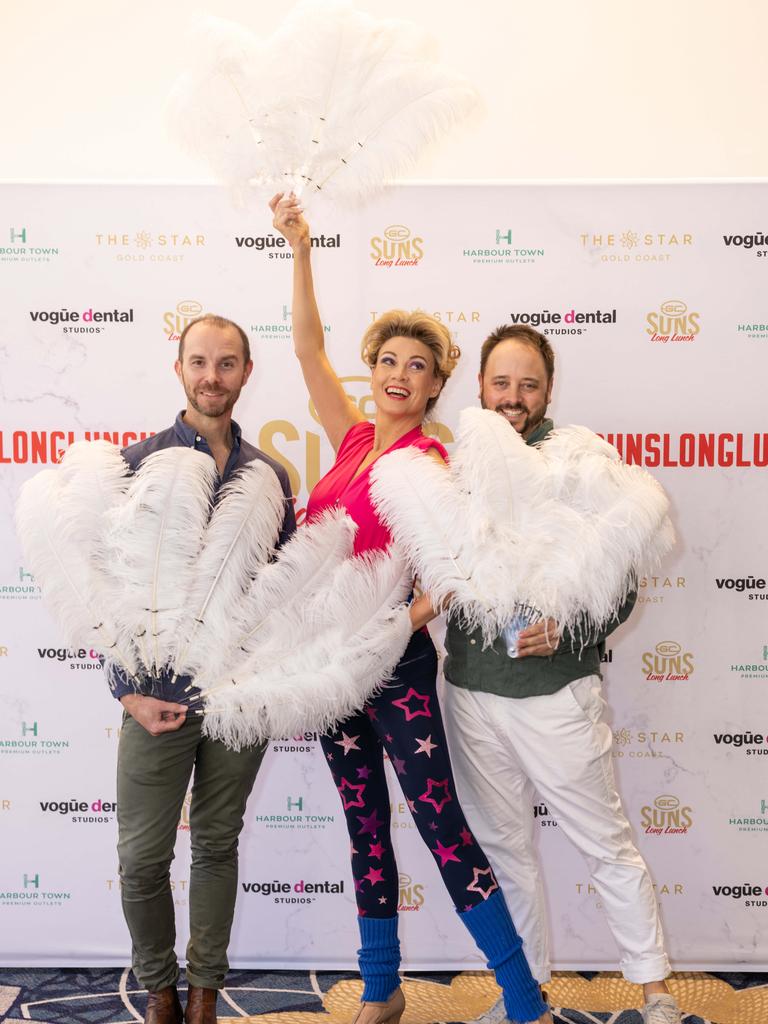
(470, 994)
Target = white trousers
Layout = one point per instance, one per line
(502, 749)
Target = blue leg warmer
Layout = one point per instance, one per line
(491, 927)
(379, 957)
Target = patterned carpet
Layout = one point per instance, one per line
(103, 996)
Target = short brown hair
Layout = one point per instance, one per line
(222, 323)
(397, 323)
(522, 333)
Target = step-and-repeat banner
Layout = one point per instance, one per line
(655, 300)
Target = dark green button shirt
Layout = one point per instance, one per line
(493, 671)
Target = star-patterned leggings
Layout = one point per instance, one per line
(405, 721)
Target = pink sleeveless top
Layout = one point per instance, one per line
(338, 488)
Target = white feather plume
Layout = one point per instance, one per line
(152, 544)
(356, 636)
(59, 517)
(335, 101)
(283, 591)
(428, 518)
(238, 542)
(213, 107)
(565, 528)
(96, 477)
(625, 529)
(500, 474)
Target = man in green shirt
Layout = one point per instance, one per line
(532, 722)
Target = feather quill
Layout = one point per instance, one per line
(152, 544)
(238, 542)
(299, 573)
(269, 616)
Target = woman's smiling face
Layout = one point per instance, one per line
(403, 379)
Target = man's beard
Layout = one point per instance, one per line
(524, 425)
(213, 412)
(227, 404)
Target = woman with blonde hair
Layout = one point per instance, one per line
(411, 356)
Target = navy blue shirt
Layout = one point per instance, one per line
(180, 435)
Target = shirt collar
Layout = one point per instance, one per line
(540, 432)
(191, 439)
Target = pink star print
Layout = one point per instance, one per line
(426, 746)
(370, 824)
(446, 853)
(346, 784)
(375, 875)
(364, 772)
(372, 712)
(412, 806)
(404, 701)
(475, 887)
(399, 764)
(348, 742)
(466, 837)
(433, 784)
(377, 850)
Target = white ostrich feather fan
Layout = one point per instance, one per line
(355, 636)
(429, 519)
(59, 518)
(561, 530)
(238, 542)
(152, 543)
(335, 101)
(269, 618)
(143, 569)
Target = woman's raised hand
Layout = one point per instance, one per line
(288, 219)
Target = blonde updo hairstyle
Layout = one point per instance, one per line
(397, 323)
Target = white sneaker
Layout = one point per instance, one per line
(497, 1014)
(661, 1009)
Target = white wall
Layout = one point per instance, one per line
(575, 88)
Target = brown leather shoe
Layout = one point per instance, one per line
(163, 1007)
(201, 1005)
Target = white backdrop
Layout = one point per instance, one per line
(683, 261)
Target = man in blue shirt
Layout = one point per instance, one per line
(161, 745)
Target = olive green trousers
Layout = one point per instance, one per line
(153, 774)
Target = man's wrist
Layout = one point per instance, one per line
(131, 700)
